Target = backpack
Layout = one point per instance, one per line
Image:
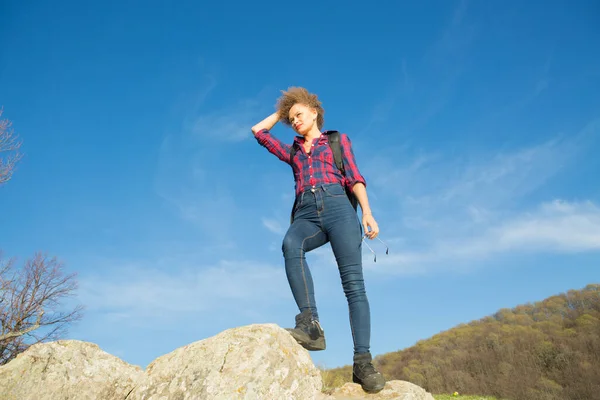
(336, 148)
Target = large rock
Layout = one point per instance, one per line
(261, 362)
(393, 390)
(251, 362)
(67, 369)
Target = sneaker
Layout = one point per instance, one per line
(308, 332)
(364, 373)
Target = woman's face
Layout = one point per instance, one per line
(302, 118)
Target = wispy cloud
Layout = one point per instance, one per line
(191, 174)
(147, 294)
(531, 91)
(391, 95)
(445, 59)
(555, 227)
(188, 181)
(416, 98)
(231, 123)
(496, 179)
(273, 225)
(436, 184)
(457, 35)
(452, 211)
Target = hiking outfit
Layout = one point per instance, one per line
(324, 211)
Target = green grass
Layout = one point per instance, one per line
(451, 397)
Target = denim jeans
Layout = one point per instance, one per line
(324, 214)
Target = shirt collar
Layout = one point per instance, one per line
(300, 139)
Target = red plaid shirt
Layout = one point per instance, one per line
(318, 167)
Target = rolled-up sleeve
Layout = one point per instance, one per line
(353, 174)
(274, 145)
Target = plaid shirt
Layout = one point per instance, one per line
(318, 167)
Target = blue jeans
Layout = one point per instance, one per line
(322, 215)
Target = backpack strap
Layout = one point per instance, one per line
(293, 150)
(336, 149)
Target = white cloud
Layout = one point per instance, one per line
(231, 124)
(446, 213)
(142, 294)
(192, 174)
(436, 187)
(189, 173)
(273, 225)
(558, 226)
(555, 227)
(197, 196)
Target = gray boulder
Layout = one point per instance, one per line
(254, 362)
(67, 369)
(251, 362)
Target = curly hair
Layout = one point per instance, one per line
(295, 95)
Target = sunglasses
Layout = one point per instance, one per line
(387, 250)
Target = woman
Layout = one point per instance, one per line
(323, 213)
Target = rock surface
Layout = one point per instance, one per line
(251, 362)
(261, 362)
(67, 369)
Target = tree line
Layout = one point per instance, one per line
(548, 350)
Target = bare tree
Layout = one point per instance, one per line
(10, 144)
(31, 304)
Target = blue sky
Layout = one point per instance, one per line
(476, 125)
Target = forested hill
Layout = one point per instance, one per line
(548, 350)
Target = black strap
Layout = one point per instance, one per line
(336, 149)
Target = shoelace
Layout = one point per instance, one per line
(307, 325)
(367, 369)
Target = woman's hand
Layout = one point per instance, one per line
(266, 123)
(369, 222)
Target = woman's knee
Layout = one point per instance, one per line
(291, 244)
(354, 287)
